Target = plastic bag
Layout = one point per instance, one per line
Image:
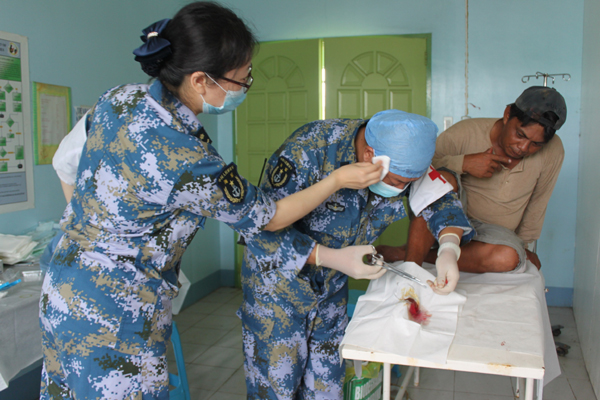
(368, 387)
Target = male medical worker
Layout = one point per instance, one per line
(295, 289)
(507, 169)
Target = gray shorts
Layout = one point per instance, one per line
(491, 233)
(496, 234)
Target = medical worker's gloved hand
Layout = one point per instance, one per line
(447, 264)
(349, 261)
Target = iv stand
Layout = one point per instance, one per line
(525, 79)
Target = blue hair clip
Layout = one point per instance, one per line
(154, 47)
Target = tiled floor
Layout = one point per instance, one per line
(212, 346)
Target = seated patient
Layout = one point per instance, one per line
(295, 290)
(506, 169)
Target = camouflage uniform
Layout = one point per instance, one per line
(147, 180)
(294, 315)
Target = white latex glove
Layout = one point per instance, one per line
(349, 261)
(447, 264)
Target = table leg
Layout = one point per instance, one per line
(358, 368)
(529, 389)
(404, 385)
(519, 387)
(540, 389)
(387, 381)
(417, 376)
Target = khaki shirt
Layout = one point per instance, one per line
(515, 199)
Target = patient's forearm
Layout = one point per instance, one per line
(419, 241)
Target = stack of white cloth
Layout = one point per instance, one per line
(14, 249)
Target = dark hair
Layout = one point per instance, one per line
(205, 37)
(527, 120)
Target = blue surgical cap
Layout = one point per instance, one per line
(407, 139)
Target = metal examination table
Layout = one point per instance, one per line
(514, 356)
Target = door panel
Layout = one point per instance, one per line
(366, 75)
(373, 73)
(283, 97)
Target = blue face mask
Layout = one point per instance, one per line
(232, 101)
(383, 189)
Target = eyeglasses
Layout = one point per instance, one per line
(247, 81)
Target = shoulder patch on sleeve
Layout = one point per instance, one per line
(202, 135)
(282, 173)
(232, 184)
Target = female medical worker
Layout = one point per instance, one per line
(147, 180)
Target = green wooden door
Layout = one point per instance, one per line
(284, 96)
(365, 75)
(373, 73)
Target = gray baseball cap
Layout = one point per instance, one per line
(536, 100)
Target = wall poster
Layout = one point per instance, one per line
(51, 119)
(16, 161)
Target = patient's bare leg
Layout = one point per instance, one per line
(475, 256)
(485, 257)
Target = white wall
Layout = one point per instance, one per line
(587, 263)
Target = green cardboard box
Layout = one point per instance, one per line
(368, 387)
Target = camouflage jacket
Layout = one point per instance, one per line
(348, 217)
(147, 179)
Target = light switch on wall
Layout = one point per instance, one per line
(448, 121)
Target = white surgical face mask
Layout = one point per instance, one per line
(232, 100)
(381, 188)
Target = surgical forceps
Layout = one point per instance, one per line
(375, 258)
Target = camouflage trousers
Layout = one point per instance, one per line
(291, 338)
(102, 374)
(91, 350)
